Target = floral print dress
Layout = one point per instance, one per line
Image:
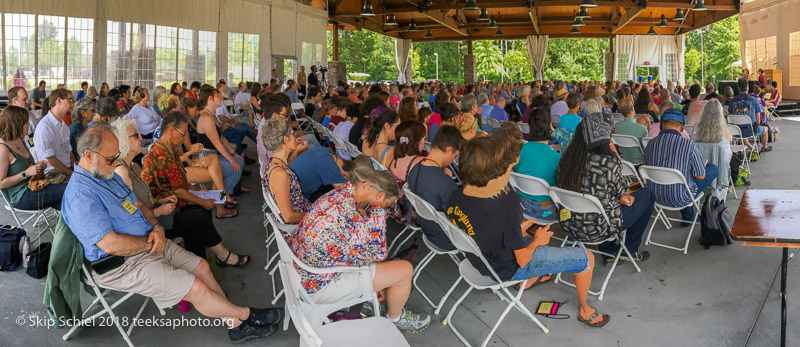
(299, 202)
(334, 233)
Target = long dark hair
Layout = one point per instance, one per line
(572, 167)
(387, 117)
(371, 103)
(413, 132)
(643, 101)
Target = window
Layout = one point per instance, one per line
(118, 53)
(19, 47)
(307, 55)
(79, 51)
(166, 56)
(622, 66)
(318, 54)
(761, 53)
(50, 49)
(141, 71)
(794, 59)
(207, 59)
(196, 56)
(242, 58)
(672, 66)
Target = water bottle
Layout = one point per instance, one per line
(26, 250)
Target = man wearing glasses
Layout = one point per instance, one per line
(51, 138)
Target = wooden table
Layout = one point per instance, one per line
(769, 218)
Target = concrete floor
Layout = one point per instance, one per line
(724, 296)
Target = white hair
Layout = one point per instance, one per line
(120, 127)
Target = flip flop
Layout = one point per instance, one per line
(229, 213)
(599, 324)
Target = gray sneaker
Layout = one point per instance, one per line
(412, 322)
(367, 310)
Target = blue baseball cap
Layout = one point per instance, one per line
(673, 114)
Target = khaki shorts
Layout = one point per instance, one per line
(345, 286)
(165, 277)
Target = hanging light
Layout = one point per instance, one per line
(483, 17)
(701, 6)
(492, 23)
(588, 3)
(428, 34)
(652, 31)
(583, 13)
(679, 16)
(663, 22)
(366, 11)
(575, 31)
(498, 32)
(471, 5)
(578, 22)
(390, 21)
(412, 26)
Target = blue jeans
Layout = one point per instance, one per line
(548, 260)
(634, 219)
(230, 179)
(235, 136)
(50, 196)
(712, 171)
(538, 212)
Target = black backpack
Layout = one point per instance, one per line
(716, 222)
(10, 255)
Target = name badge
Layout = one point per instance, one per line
(564, 214)
(128, 206)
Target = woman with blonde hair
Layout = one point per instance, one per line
(712, 128)
(524, 100)
(146, 116)
(467, 124)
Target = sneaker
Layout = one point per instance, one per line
(754, 156)
(412, 322)
(247, 331)
(265, 316)
(640, 255)
(367, 311)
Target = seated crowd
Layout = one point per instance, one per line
(126, 171)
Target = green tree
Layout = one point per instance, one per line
(518, 65)
(575, 59)
(451, 60)
(489, 61)
(720, 43)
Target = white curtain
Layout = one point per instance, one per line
(402, 48)
(626, 44)
(537, 49)
(680, 40)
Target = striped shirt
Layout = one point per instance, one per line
(670, 150)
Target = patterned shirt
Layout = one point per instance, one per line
(299, 202)
(163, 172)
(743, 103)
(333, 233)
(669, 149)
(603, 181)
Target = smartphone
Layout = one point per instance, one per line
(532, 229)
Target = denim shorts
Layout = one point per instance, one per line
(548, 260)
(538, 212)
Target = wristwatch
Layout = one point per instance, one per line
(24, 176)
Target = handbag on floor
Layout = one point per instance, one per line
(10, 255)
(38, 259)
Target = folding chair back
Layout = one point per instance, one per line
(617, 116)
(616, 121)
(735, 130)
(578, 202)
(629, 170)
(428, 146)
(524, 128)
(297, 106)
(664, 176)
(627, 141)
(377, 165)
(529, 185)
(645, 141)
(423, 208)
(493, 123)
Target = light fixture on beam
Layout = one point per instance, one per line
(498, 32)
(471, 5)
(366, 11)
(583, 13)
(679, 16)
(663, 22)
(492, 23)
(588, 3)
(428, 34)
(578, 22)
(390, 20)
(483, 17)
(575, 31)
(652, 31)
(412, 26)
(701, 6)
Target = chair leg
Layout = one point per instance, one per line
(391, 245)
(421, 266)
(448, 319)
(650, 232)
(447, 295)
(399, 245)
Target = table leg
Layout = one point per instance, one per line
(784, 260)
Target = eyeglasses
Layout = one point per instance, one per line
(70, 99)
(134, 136)
(179, 130)
(109, 160)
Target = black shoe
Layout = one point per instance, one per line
(247, 172)
(685, 224)
(265, 316)
(640, 255)
(249, 161)
(244, 146)
(247, 331)
(746, 181)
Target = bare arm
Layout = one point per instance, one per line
(279, 185)
(58, 165)
(185, 195)
(206, 123)
(123, 245)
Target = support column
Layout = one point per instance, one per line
(335, 41)
(337, 70)
(610, 60)
(470, 68)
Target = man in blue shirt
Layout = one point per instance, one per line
(499, 111)
(128, 250)
(670, 150)
(744, 103)
(319, 171)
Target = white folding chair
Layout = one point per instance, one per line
(585, 203)
(493, 123)
(428, 146)
(531, 186)
(737, 144)
(524, 128)
(36, 216)
(303, 121)
(629, 172)
(428, 212)
(373, 331)
(617, 115)
(291, 282)
(744, 120)
(645, 141)
(665, 176)
(628, 141)
(476, 280)
(278, 225)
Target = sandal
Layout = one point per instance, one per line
(241, 263)
(602, 322)
(229, 213)
(768, 149)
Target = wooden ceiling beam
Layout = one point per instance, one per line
(630, 14)
(533, 12)
(711, 18)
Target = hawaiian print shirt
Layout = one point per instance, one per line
(163, 172)
(333, 233)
